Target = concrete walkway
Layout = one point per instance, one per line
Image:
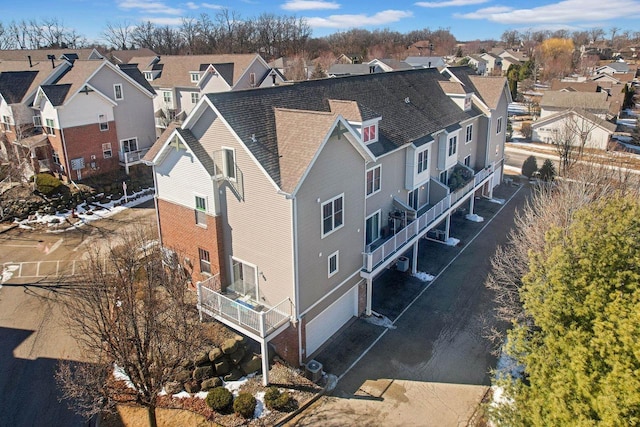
(431, 366)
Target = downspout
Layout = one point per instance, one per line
(155, 201)
(64, 148)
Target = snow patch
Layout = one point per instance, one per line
(424, 277)
(474, 218)
(380, 320)
(7, 272)
(118, 374)
(182, 395)
(452, 241)
(497, 201)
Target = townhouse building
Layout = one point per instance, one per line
(289, 201)
(181, 80)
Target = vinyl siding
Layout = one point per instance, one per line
(215, 83)
(339, 169)
(84, 110)
(258, 229)
(255, 67)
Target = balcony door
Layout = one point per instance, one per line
(372, 227)
(244, 279)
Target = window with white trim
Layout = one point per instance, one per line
(372, 228)
(106, 150)
(55, 157)
(414, 198)
(148, 75)
(195, 97)
(201, 210)
(333, 263)
(205, 261)
(104, 124)
(499, 125)
(50, 127)
(469, 134)
(167, 97)
(6, 123)
(117, 91)
(369, 133)
(373, 180)
(444, 177)
(195, 77)
(467, 161)
(423, 161)
(453, 145)
(129, 145)
(229, 163)
(332, 215)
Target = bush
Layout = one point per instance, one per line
(530, 166)
(275, 400)
(47, 184)
(526, 130)
(244, 405)
(219, 399)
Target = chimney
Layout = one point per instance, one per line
(30, 63)
(52, 58)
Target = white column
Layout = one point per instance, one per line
(414, 262)
(471, 203)
(369, 296)
(264, 350)
(447, 226)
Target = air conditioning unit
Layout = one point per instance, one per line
(313, 371)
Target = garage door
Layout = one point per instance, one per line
(329, 321)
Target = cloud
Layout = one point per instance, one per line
(449, 3)
(562, 12)
(163, 21)
(360, 20)
(310, 5)
(149, 7)
(193, 6)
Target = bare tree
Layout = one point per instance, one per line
(572, 136)
(118, 34)
(596, 34)
(129, 308)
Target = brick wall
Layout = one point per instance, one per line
(179, 231)
(362, 297)
(286, 345)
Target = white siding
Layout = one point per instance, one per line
(84, 110)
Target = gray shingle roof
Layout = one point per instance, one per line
(132, 71)
(56, 93)
(198, 150)
(14, 85)
(428, 110)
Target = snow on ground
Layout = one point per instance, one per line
(118, 374)
(7, 273)
(87, 212)
(423, 277)
(497, 201)
(474, 217)
(380, 320)
(452, 241)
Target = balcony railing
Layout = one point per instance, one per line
(132, 156)
(245, 316)
(435, 214)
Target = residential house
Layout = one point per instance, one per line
(289, 201)
(374, 66)
(181, 80)
(95, 116)
(573, 125)
(477, 63)
(494, 64)
(425, 61)
(421, 48)
(350, 58)
(40, 55)
(553, 102)
(616, 67)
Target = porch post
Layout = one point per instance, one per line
(369, 296)
(264, 351)
(414, 262)
(471, 203)
(199, 290)
(447, 226)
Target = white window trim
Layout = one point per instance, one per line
(104, 155)
(466, 134)
(225, 166)
(128, 139)
(255, 269)
(195, 77)
(206, 273)
(367, 125)
(115, 92)
(379, 213)
(455, 146)
(50, 129)
(330, 273)
(164, 97)
(366, 183)
(148, 75)
(334, 228)
(499, 125)
(205, 211)
(197, 97)
(418, 163)
(465, 160)
(101, 122)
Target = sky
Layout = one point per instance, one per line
(466, 19)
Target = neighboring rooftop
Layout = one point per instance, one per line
(593, 102)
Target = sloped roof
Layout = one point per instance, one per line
(42, 69)
(72, 79)
(14, 85)
(176, 68)
(348, 69)
(159, 143)
(586, 100)
(124, 56)
(620, 67)
(453, 87)
(611, 127)
(298, 145)
(489, 88)
(395, 64)
(56, 94)
(424, 60)
(347, 109)
(252, 112)
(132, 71)
(587, 86)
(41, 54)
(198, 150)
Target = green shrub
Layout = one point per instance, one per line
(275, 400)
(530, 166)
(547, 171)
(47, 184)
(219, 399)
(244, 405)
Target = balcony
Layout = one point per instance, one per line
(131, 157)
(385, 252)
(239, 312)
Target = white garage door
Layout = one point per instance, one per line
(333, 318)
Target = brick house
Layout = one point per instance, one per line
(289, 201)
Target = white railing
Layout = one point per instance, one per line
(242, 314)
(132, 156)
(434, 215)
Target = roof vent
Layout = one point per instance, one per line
(253, 138)
(407, 100)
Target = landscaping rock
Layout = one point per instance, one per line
(237, 355)
(173, 387)
(229, 346)
(235, 374)
(240, 340)
(183, 375)
(203, 372)
(210, 383)
(192, 386)
(222, 367)
(253, 364)
(215, 354)
(201, 358)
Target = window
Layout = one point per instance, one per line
(195, 77)
(245, 278)
(37, 121)
(129, 145)
(205, 261)
(148, 75)
(423, 161)
(467, 161)
(50, 125)
(252, 79)
(372, 228)
(106, 150)
(117, 91)
(104, 124)
(166, 96)
(6, 123)
(414, 198)
(333, 263)
(195, 97)
(201, 209)
(332, 215)
(373, 180)
(369, 133)
(499, 125)
(453, 145)
(55, 157)
(229, 159)
(444, 176)
(469, 135)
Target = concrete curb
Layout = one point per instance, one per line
(302, 407)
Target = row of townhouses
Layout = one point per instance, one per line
(289, 201)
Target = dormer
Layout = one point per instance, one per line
(369, 131)
(148, 75)
(194, 76)
(456, 91)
